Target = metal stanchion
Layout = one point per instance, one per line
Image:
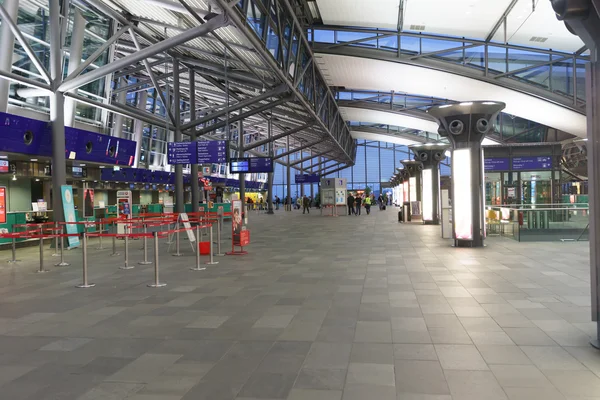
(114, 253)
(85, 283)
(14, 252)
(198, 268)
(126, 266)
(156, 283)
(41, 252)
(170, 237)
(212, 261)
(100, 237)
(145, 262)
(219, 227)
(177, 253)
(62, 262)
(55, 254)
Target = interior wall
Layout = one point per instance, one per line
(18, 193)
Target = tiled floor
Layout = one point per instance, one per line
(348, 308)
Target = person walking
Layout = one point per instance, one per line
(368, 204)
(350, 203)
(277, 201)
(305, 204)
(380, 202)
(357, 202)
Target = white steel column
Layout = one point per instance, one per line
(194, 138)
(138, 129)
(7, 44)
(75, 53)
(179, 191)
(117, 130)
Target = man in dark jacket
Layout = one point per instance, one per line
(358, 202)
(350, 203)
(305, 204)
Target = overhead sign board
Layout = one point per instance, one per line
(531, 163)
(182, 153)
(251, 165)
(307, 178)
(212, 151)
(496, 164)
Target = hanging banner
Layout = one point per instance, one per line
(88, 202)
(69, 210)
(2, 205)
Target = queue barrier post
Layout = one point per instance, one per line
(62, 262)
(212, 261)
(85, 283)
(115, 253)
(126, 265)
(145, 262)
(177, 253)
(41, 251)
(219, 228)
(100, 237)
(198, 268)
(156, 283)
(56, 229)
(14, 251)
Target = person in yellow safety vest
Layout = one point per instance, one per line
(368, 204)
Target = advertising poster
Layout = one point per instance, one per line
(69, 210)
(88, 203)
(236, 220)
(2, 205)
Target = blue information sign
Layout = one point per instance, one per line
(261, 164)
(212, 152)
(496, 164)
(182, 153)
(307, 178)
(531, 163)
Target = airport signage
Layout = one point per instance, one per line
(531, 163)
(496, 164)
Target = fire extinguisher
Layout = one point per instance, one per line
(520, 218)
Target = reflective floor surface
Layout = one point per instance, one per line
(322, 308)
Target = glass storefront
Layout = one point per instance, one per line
(530, 188)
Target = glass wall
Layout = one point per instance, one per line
(375, 163)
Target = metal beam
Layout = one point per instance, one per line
(19, 36)
(98, 52)
(238, 106)
(268, 58)
(129, 71)
(247, 114)
(122, 109)
(492, 33)
(167, 44)
(140, 83)
(302, 160)
(294, 150)
(282, 135)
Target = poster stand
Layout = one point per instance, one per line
(240, 237)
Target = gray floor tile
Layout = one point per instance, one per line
(270, 385)
(552, 358)
(420, 377)
(361, 392)
(328, 356)
(373, 332)
(321, 379)
(309, 394)
(519, 376)
(373, 353)
(461, 357)
(474, 385)
(574, 383)
(511, 355)
(370, 374)
(425, 352)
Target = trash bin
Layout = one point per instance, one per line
(406, 212)
(400, 216)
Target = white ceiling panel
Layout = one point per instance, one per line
(523, 24)
(381, 138)
(363, 13)
(388, 118)
(368, 74)
(463, 18)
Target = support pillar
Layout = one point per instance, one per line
(194, 167)
(466, 125)
(7, 44)
(414, 169)
(270, 175)
(75, 53)
(430, 155)
(57, 114)
(179, 193)
(117, 130)
(312, 185)
(289, 175)
(242, 177)
(138, 128)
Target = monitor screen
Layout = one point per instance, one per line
(239, 165)
(77, 172)
(4, 167)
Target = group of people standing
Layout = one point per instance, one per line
(355, 203)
